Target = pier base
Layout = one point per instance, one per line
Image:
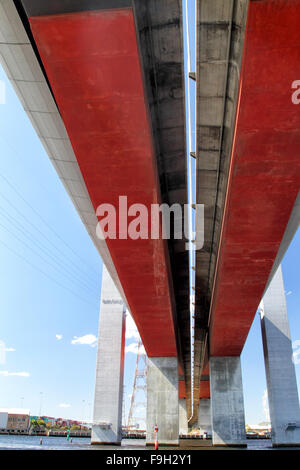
(280, 369)
(227, 402)
(162, 400)
(107, 419)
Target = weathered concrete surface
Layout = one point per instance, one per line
(280, 369)
(160, 34)
(107, 417)
(162, 400)
(183, 422)
(227, 402)
(48, 7)
(220, 39)
(204, 415)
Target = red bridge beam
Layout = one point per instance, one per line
(265, 171)
(93, 65)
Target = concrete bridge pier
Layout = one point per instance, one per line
(227, 402)
(107, 417)
(162, 400)
(280, 369)
(204, 416)
(183, 421)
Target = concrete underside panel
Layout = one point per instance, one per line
(160, 31)
(227, 402)
(162, 400)
(220, 38)
(107, 418)
(49, 7)
(280, 369)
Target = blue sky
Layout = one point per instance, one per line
(40, 299)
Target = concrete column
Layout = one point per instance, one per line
(280, 369)
(227, 402)
(183, 422)
(107, 419)
(204, 416)
(162, 400)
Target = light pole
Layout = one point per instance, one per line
(83, 402)
(90, 412)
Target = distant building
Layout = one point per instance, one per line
(3, 420)
(34, 418)
(68, 422)
(46, 419)
(14, 419)
(60, 422)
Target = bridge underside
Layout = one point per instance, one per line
(115, 71)
(102, 82)
(258, 175)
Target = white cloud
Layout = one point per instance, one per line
(3, 351)
(296, 353)
(17, 374)
(58, 337)
(131, 329)
(266, 405)
(64, 405)
(91, 340)
(133, 348)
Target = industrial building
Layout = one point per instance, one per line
(14, 420)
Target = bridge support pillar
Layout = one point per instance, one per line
(280, 369)
(183, 422)
(162, 400)
(227, 402)
(204, 416)
(107, 418)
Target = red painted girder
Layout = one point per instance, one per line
(205, 370)
(181, 389)
(92, 62)
(265, 171)
(204, 389)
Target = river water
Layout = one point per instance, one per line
(61, 443)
